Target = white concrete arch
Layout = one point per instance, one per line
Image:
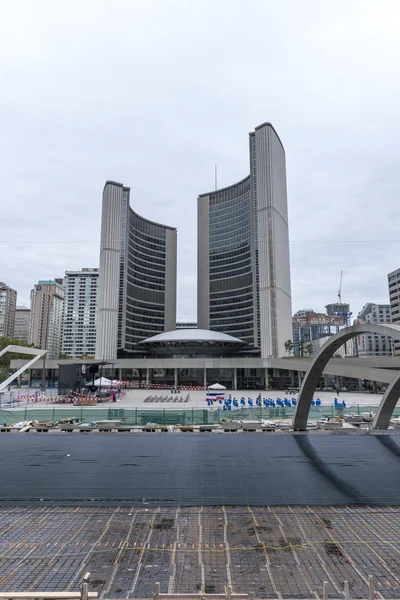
(36, 352)
(320, 361)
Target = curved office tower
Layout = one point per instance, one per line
(137, 279)
(243, 252)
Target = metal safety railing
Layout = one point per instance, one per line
(167, 416)
(229, 595)
(83, 593)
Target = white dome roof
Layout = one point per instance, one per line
(195, 335)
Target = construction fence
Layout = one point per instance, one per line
(170, 416)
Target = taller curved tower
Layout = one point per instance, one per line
(137, 278)
(243, 252)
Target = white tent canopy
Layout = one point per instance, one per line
(101, 382)
(216, 386)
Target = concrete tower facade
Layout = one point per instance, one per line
(137, 277)
(243, 252)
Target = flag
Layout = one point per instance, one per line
(214, 396)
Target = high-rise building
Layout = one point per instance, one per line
(370, 344)
(47, 316)
(339, 309)
(137, 280)
(8, 301)
(243, 252)
(394, 299)
(79, 332)
(22, 322)
(309, 326)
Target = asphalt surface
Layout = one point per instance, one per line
(201, 469)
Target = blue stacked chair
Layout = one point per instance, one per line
(250, 402)
(235, 403)
(287, 403)
(312, 402)
(318, 402)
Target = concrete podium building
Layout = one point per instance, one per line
(243, 275)
(137, 277)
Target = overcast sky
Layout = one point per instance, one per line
(154, 93)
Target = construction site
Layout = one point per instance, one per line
(272, 552)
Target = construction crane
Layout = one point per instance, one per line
(340, 288)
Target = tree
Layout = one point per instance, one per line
(309, 349)
(289, 346)
(301, 347)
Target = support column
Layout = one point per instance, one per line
(326, 381)
(266, 378)
(148, 376)
(337, 383)
(360, 385)
(176, 378)
(234, 378)
(205, 377)
(374, 387)
(120, 374)
(292, 379)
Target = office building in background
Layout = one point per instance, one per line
(47, 315)
(8, 301)
(394, 300)
(22, 322)
(243, 275)
(370, 344)
(79, 331)
(309, 326)
(137, 278)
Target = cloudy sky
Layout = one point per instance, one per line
(154, 93)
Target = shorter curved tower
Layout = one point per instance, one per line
(243, 276)
(137, 279)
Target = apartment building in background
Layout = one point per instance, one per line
(79, 331)
(394, 300)
(8, 301)
(137, 277)
(370, 344)
(47, 316)
(22, 323)
(243, 275)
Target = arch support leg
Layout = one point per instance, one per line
(387, 405)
